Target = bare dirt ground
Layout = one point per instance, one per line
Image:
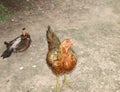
(94, 27)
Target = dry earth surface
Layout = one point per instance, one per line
(94, 26)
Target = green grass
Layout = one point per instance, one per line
(8, 8)
(4, 13)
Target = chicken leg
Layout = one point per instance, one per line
(66, 82)
(57, 87)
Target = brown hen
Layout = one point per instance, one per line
(19, 44)
(60, 57)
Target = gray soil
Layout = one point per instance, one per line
(93, 25)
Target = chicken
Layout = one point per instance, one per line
(19, 44)
(60, 57)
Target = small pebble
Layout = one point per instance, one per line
(103, 73)
(12, 20)
(102, 83)
(52, 87)
(32, 87)
(21, 68)
(31, 46)
(34, 66)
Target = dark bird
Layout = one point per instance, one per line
(19, 44)
(60, 57)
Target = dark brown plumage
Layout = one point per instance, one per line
(20, 43)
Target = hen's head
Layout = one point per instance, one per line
(67, 43)
(24, 32)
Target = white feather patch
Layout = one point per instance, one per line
(16, 43)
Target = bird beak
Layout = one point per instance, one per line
(24, 32)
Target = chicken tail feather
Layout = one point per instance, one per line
(52, 39)
(7, 53)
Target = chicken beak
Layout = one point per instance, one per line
(24, 32)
